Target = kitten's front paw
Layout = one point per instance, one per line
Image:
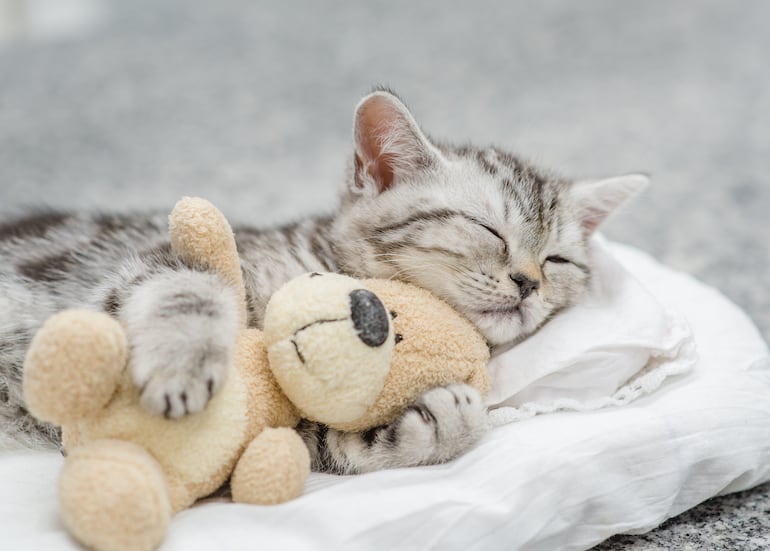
(182, 381)
(181, 328)
(444, 422)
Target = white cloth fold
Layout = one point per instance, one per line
(616, 345)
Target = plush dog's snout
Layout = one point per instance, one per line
(369, 317)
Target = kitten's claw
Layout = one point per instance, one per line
(185, 386)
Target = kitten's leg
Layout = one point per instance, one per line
(181, 327)
(442, 424)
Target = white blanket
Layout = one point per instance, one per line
(564, 480)
(618, 343)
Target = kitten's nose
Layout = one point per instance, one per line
(526, 285)
(369, 317)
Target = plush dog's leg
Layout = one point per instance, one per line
(113, 497)
(273, 469)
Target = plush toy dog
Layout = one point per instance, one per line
(329, 352)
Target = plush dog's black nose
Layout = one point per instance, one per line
(369, 317)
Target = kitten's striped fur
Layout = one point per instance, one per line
(500, 240)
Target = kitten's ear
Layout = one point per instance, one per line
(595, 200)
(389, 144)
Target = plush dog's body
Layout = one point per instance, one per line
(348, 353)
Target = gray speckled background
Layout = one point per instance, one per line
(250, 103)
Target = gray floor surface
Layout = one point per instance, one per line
(249, 104)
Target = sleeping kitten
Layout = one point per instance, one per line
(500, 240)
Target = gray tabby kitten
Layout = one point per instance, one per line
(500, 240)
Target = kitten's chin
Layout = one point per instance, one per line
(499, 326)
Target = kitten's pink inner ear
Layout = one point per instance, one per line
(381, 173)
(592, 219)
(389, 144)
(595, 200)
(378, 120)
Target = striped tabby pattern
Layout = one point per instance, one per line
(500, 240)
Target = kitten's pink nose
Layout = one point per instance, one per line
(526, 285)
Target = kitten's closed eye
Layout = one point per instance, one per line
(557, 259)
(493, 231)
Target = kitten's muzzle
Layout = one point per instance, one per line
(526, 284)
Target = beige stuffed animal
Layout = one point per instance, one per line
(328, 353)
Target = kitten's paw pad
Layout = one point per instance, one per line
(183, 387)
(447, 420)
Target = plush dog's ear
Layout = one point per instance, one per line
(389, 145)
(595, 200)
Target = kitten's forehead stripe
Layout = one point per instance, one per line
(511, 190)
(425, 216)
(440, 250)
(553, 204)
(488, 161)
(387, 249)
